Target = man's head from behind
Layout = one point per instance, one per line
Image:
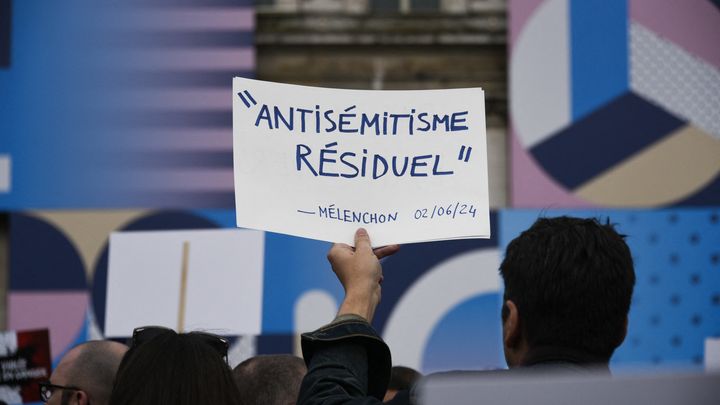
(89, 369)
(270, 379)
(568, 284)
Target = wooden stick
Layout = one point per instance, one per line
(183, 286)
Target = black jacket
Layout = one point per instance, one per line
(349, 364)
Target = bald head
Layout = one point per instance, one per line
(270, 379)
(90, 366)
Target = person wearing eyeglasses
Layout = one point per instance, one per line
(84, 375)
(164, 367)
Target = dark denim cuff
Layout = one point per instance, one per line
(354, 331)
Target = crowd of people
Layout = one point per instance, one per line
(568, 287)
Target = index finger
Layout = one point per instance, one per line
(386, 251)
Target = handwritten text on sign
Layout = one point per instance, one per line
(409, 166)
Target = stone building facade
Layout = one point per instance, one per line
(394, 45)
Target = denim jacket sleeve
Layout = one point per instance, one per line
(348, 364)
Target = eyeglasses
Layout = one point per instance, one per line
(47, 389)
(146, 333)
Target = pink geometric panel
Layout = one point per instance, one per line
(531, 187)
(519, 13)
(694, 25)
(63, 313)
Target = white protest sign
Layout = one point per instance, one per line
(185, 280)
(409, 166)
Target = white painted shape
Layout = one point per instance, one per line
(667, 75)
(8, 343)
(242, 349)
(314, 309)
(94, 332)
(540, 93)
(712, 354)
(10, 394)
(5, 173)
(269, 190)
(225, 281)
(224, 285)
(432, 297)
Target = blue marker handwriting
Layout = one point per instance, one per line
(449, 211)
(331, 161)
(452, 210)
(348, 121)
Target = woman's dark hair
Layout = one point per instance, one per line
(176, 369)
(572, 280)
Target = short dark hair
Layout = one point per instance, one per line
(171, 368)
(403, 378)
(270, 379)
(572, 281)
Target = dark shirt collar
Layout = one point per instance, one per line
(549, 355)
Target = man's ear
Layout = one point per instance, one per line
(511, 325)
(81, 398)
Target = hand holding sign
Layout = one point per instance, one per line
(360, 273)
(409, 166)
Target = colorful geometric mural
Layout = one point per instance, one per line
(441, 301)
(120, 104)
(615, 103)
(64, 288)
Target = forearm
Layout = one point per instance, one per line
(348, 363)
(360, 304)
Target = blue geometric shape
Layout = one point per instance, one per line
(413, 260)
(64, 142)
(293, 266)
(603, 139)
(275, 343)
(468, 337)
(177, 199)
(215, 119)
(167, 159)
(223, 218)
(42, 257)
(598, 53)
(708, 195)
(191, 3)
(673, 311)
